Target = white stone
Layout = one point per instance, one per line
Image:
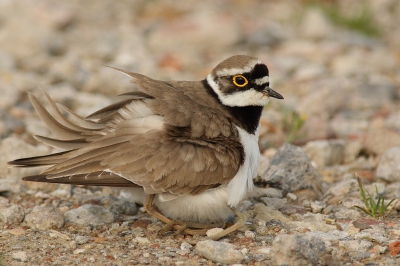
(219, 252)
(20, 256)
(142, 240)
(214, 231)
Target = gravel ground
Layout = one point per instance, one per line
(336, 63)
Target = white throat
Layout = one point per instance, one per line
(249, 97)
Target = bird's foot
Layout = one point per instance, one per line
(188, 228)
(241, 221)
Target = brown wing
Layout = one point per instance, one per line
(171, 102)
(161, 162)
(194, 149)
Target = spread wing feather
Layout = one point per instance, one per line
(158, 138)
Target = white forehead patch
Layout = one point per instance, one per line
(249, 97)
(235, 71)
(262, 80)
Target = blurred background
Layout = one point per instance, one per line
(335, 62)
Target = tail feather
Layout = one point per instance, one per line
(62, 144)
(92, 179)
(55, 126)
(45, 160)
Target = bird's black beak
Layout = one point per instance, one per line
(272, 93)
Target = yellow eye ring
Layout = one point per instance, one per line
(240, 81)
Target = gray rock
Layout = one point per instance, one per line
(389, 165)
(291, 166)
(311, 222)
(219, 252)
(343, 126)
(266, 213)
(272, 227)
(292, 209)
(393, 191)
(124, 207)
(326, 152)
(296, 250)
(332, 236)
(44, 218)
(89, 215)
(356, 245)
(352, 150)
(364, 94)
(274, 202)
(346, 213)
(375, 234)
(13, 214)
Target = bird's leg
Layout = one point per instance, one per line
(153, 210)
(181, 227)
(241, 221)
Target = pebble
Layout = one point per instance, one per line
(356, 245)
(219, 252)
(267, 213)
(376, 235)
(345, 213)
(20, 256)
(11, 215)
(272, 227)
(185, 246)
(317, 206)
(331, 236)
(89, 214)
(124, 207)
(79, 251)
(389, 165)
(214, 231)
(311, 222)
(339, 190)
(326, 152)
(250, 234)
(56, 234)
(142, 240)
(296, 250)
(274, 202)
(80, 240)
(44, 218)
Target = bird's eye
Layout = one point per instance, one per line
(239, 81)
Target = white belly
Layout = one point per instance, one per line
(208, 207)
